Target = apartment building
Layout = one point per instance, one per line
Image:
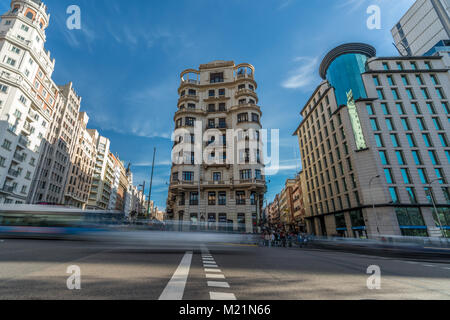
(374, 145)
(103, 176)
(274, 211)
(54, 163)
(217, 173)
(27, 96)
(79, 180)
(424, 29)
(298, 206)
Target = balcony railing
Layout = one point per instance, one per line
(19, 157)
(24, 142)
(9, 189)
(14, 173)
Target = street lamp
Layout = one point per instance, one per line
(435, 208)
(373, 201)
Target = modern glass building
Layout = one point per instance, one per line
(343, 66)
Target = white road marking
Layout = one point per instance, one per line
(175, 288)
(208, 260)
(214, 276)
(428, 265)
(209, 265)
(218, 284)
(222, 296)
(212, 270)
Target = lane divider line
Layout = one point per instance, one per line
(174, 289)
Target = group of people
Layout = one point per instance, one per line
(281, 238)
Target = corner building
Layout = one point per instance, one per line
(374, 145)
(27, 96)
(220, 178)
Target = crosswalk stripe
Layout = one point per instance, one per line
(212, 270)
(218, 284)
(215, 276)
(222, 296)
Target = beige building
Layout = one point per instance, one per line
(83, 158)
(57, 149)
(374, 145)
(217, 175)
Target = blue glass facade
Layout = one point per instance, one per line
(344, 73)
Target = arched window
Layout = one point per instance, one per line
(30, 15)
(15, 10)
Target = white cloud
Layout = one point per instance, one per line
(304, 75)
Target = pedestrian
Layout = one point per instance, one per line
(272, 239)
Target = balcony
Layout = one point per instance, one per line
(19, 157)
(28, 128)
(14, 173)
(24, 142)
(9, 189)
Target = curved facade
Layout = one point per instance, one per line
(343, 67)
(217, 103)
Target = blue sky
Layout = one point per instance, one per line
(126, 60)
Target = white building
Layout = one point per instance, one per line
(27, 96)
(424, 29)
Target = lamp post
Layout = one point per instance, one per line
(373, 201)
(435, 208)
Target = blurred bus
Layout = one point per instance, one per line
(34, 221)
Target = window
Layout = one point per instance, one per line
(388, 175)
(217, 176)
(425, 93)
(24, 28)
(421, 124)
(405, 80)
(428, 65)
(222, 107)
(216, 77)
(222, 198)
(188, 176)
(6, 145)
(383, 157)
(255, 117)
(245, 174)
(258, 174)
(385, 109)
(394, 194)
(433, 157)
(379, 140)
(434, 79)
(376, 81)
(385, 66)
(443, 139)
(212, 93)
(426, 139)
(419, 80)
(193, 198)
(400, 66)
(390, 124)
(11, 62)
(405, 124)
(422, 175)
(415, 108)
(391, 81)
(413, 65)
(30, 15)
(221, 92)
(430, 108)
(410, 94)
(400, 109)
(3, 88)
(243, 117)
(406, 176)
(400, 157)
(240, 197)
(411, 140)
(190, 121)
(437, 124)
(439, 93)
(374, 124)
(369, 108)
(15, 49)
(380, 94)
(417, 158)
(394, 140)
(411, 194)
(211, 198)
(440, 175)
(411, 222)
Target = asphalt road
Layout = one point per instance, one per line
(33, 269)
